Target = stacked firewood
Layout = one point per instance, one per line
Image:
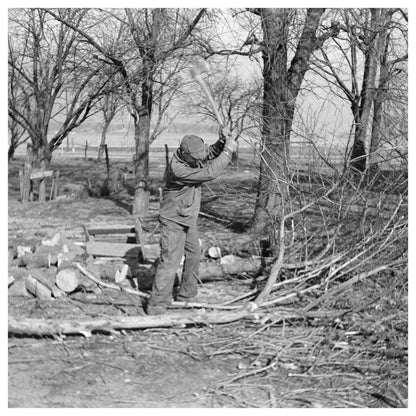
(49, 270)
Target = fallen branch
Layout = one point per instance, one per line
(344, 286)
(108, 324)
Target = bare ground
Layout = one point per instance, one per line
(359, 360)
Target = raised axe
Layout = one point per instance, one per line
(196, 73)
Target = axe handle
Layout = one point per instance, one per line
(204, 87)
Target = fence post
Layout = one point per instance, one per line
(107, 161)
(166, 162)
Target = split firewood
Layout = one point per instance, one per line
(66, 257)
(70, 247)
(12, 254)
(18, 273)
(122, 274)
(37, 289)
(37, 260)
(18, 288)
(22, 250)
(52, 251)
(47, 278)
(52, 241)
(11, 280)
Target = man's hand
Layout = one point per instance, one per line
(224, 133)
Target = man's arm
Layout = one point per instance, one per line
(215, 149)
(188, 175)
(211, 170)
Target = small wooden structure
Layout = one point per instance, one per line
(29, 178)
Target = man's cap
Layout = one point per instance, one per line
(193, 146)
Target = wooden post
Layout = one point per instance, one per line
(166, 162)
(27, 170)
(86, 149)
(107, 161)
(42, 185)
(138, 230)
(52, 187)
(21, 183)
(27, 184)
(56, 186)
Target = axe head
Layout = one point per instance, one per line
(199, 69)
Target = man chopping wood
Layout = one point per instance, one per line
(193, 163)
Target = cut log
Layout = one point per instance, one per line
(214, 252)
(11, 280)
(37, 289)
(68, 279)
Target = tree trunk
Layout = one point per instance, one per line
(141, 160)
(141, 168)
(106, 125)
(379, 99)
(10, 153)
(362, 119)
(276, 122)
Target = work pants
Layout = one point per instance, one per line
(176, 240)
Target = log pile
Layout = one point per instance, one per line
(33, 271)
(51, 269)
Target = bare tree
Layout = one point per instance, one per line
(55, 75)
(273, 34)
(158, 35)
(16, 98)
(391, 91)
(362, 55)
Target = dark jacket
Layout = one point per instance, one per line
(181, 200)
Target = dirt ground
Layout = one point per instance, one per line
(243, 364)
